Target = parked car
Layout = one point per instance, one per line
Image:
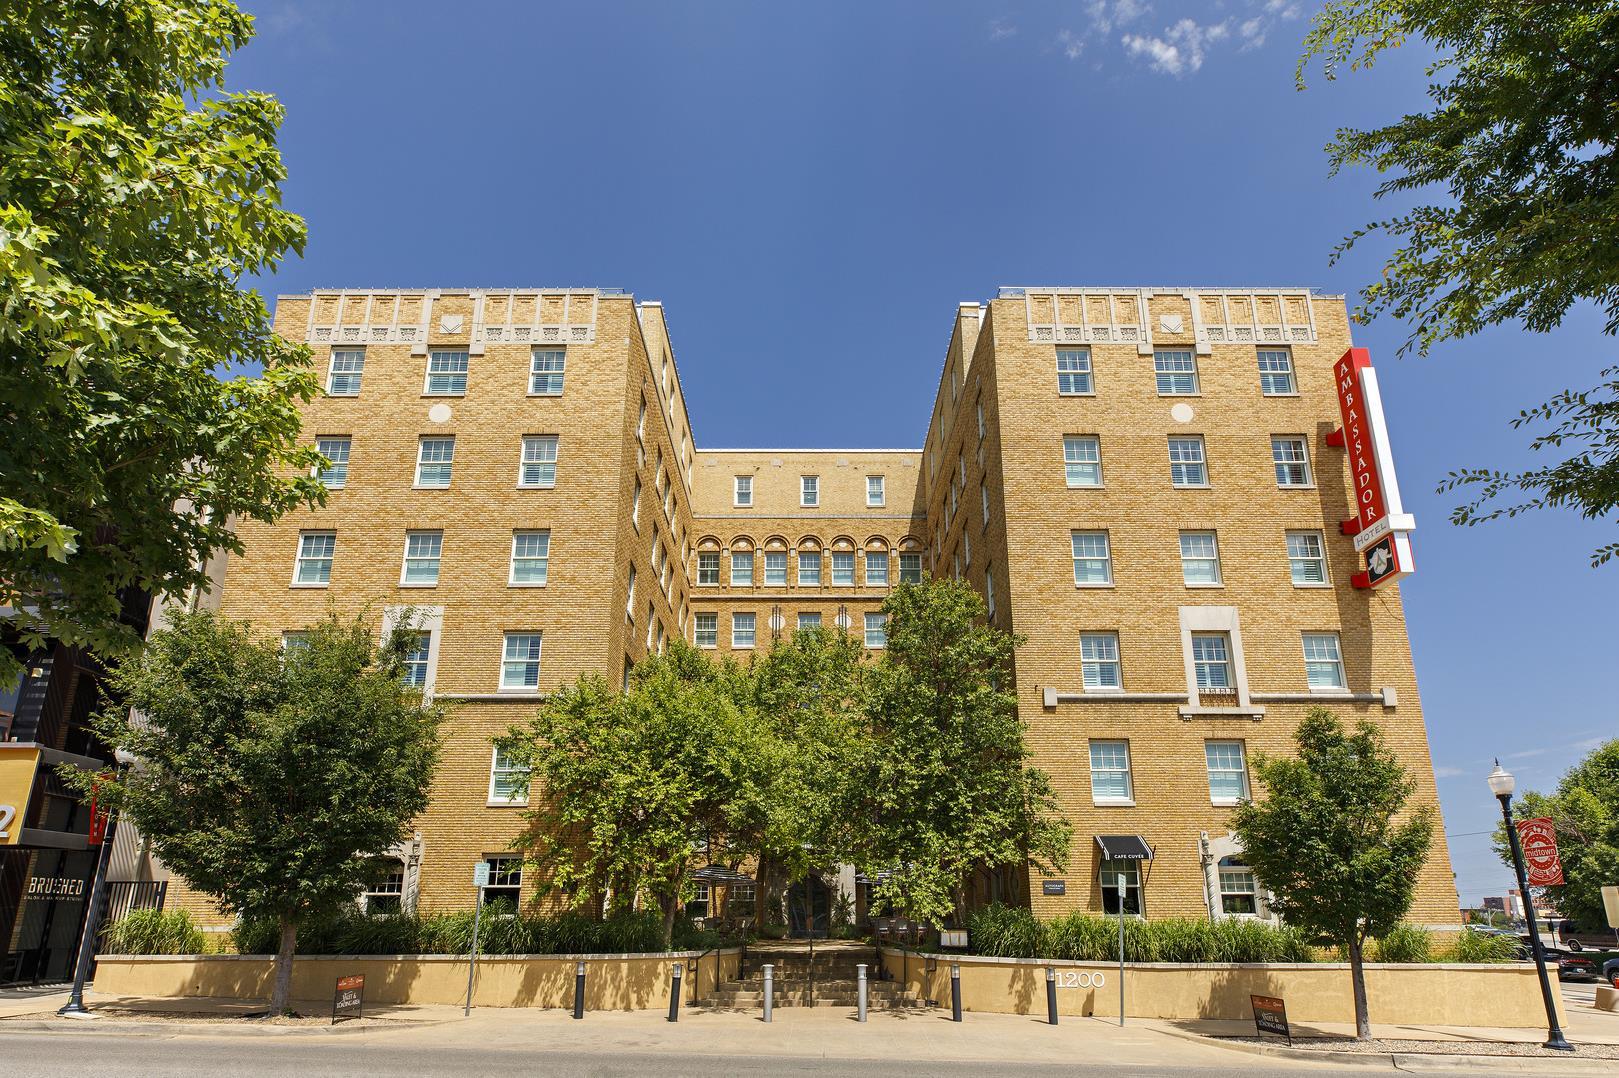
(1577, 937)
(1572, 967)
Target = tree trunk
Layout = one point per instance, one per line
(282, 989)
(1357, 975)
(670, 905)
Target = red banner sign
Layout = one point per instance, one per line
(98, 812)
(1370, 506)
(1539, 840)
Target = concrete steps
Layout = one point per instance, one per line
(829, 978)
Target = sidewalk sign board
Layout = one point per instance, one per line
(349, 997)
(1270, 1016)
(1610, 905)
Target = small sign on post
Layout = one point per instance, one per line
(1610, 905)
(348, 1001)
(1270, 1016)
(1539, 839)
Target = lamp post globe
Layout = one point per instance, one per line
(1502, 784)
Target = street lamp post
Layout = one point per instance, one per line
(1501, 785)
(74, 1007)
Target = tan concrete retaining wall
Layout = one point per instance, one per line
(1504, 994)
(612, 982)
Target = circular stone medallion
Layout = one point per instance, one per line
(1181, 413)
(440, 413)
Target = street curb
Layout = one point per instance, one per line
(180, 1026)
(1407, 1061)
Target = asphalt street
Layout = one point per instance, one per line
(74, 1055)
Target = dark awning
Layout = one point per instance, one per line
(720, 874)
(1124, 848)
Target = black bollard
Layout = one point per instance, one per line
(579, 990)
(955, 992)
(674, 992)
(1051, 995)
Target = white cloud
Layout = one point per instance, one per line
(1002, 27)
(1181, 49)
(1106, 15)
(1447, 772)
(1070, 43)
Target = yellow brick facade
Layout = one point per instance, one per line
(996, 436)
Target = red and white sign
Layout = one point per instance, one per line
(98, 812)
(1539, 840)
(1381, 528)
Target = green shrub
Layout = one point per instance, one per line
(153, 932)
(1012, 932)
(1004, 932)
(1404, 943)
(1473, 946)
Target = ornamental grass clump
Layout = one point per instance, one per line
(153, 932)
(1405, 942)
(351, 931)
(1471, 946)
(1010, 932)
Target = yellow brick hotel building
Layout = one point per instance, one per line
(1137, 480)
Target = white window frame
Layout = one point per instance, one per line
(812, 579)
(302, 555)
(742, 492)
(1074, 448)
(533, 453)
(543, 560)
(1099, 651)
(775, 568)
(1331, 657)
(1221, 800)
(498, 770)
(422, 443)
(1171, 376)
(332, 373)
(875, 624)
(809, 491)
(1080, 373)
(337, 476)
(1197, 558)
(635, 505)
(1269, 376)
(877, 559)
(983, 498)
(537, 372)
(1179, 466)
(1111, 800)
(702, 569)
(436, 558)
(739, 635)
(989, 593)
(1277, 448)
(839, 579)
(424, 664)
(876, 491)
(1225, 662)
(451, 374)
(737, 557)
(697, 629)
(1106, 557)
(814, 621)
(629, 597)
(1234, 873)
(902, 567)
(1297, 561)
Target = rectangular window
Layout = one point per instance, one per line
(1099, 661)
(336, 450)
(978, 407)
(415, 661)
(435, 457)
(1176, 369)
(706, 630)
(708, 567)
(875, 494)
(1112, 873)
(843, 568)
(1074, 372)
(539, 465)
(343, 379)
(1323, 662)
(1187, 466)
(809, 619)
(508, 782)
(446, 374)
(1110, 773)
(293, 639)
(776, 568)
(910, 568)
(545, 372)
(1292, 461)
(876, 630)
(1306, 558)
(422, 553)
(1093, 562)
(809, 568)
(1276, 372)
(1211, 658)
(809, 491)
(983, 502)
(742, 630)
(1200, 559)
(505, 881)
(635, 506)
(1082, 460)
(1238, 892)
(877, 568)
(315, 551)
(741, 568)
(640, 422)
(989, 593)
(531, 558)
(742, 492)
(1228, 773)
(629, 598)
(967, 549)
(520, 664)
(386, 893)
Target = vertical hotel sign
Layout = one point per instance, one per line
(1381, 528)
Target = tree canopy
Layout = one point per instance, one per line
(1512, 182)
(1332, 839)
(135, 194)
(271, 779)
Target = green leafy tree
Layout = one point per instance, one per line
(271, 779)
(1585, 810)
(1512, 178)
(629, 786)
(946, 786)
(1332, 839)
(134, 196)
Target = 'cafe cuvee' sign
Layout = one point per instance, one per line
(1382, 530)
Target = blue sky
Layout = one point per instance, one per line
(810, 190)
